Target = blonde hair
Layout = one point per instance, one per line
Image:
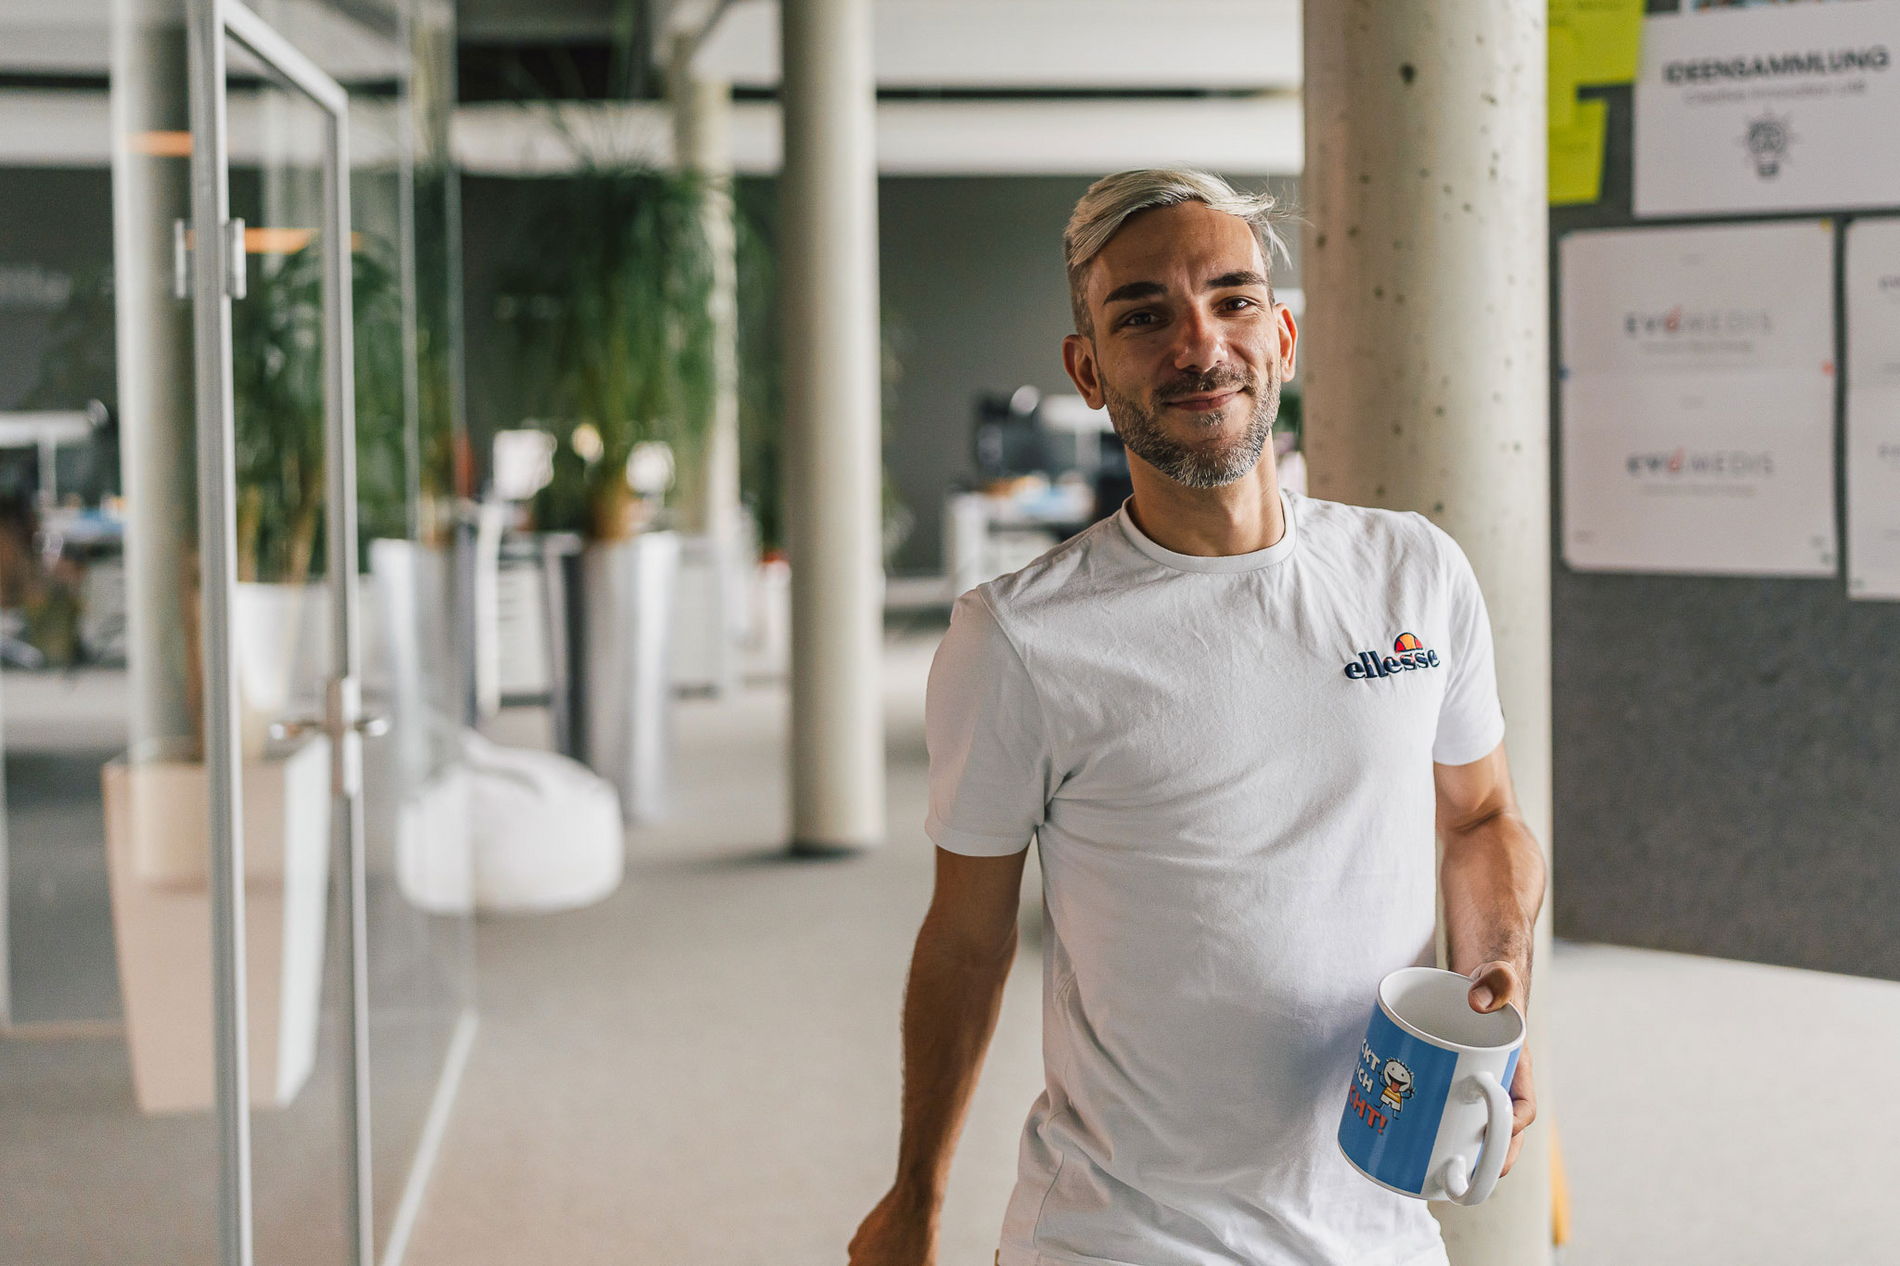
(1110, 202)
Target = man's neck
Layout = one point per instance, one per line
(1236, 518)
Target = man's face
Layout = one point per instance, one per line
(1187, 350)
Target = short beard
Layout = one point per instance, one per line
(1196, 466)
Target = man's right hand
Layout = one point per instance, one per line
(900, 1231)
(962, 959)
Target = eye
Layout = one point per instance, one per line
(1238, 302)
(1136, 318)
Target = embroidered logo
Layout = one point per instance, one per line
(1408, 655)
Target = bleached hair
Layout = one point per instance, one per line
(1110, 202)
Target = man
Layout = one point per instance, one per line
(1233, 801)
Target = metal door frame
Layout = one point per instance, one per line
(216, 278)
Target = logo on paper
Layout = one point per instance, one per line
(1713, 465)
(1408, 655)
(1767, 141)
(1683, 323)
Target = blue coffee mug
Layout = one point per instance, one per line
(1428, 1112)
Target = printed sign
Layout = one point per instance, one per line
(1873, 409)
(1698, 399)
(1768, 109)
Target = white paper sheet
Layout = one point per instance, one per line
(1781, 108)
(1873, 409)
(1698, 400)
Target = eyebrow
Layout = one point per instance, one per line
(1150, 289)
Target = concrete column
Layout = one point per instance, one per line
(1424, 357)
(702, 144)
(710, 507)
(151, 191)
(828, 289)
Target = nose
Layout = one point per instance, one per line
(1199, 344)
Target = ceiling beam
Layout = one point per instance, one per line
(1109, 45)
(1254, 135)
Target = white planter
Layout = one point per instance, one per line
(281, 649)
(706, 626)
(157, 851)
(626, 694)
(768, 647)
(410, 665)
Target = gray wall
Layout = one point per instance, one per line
(1727, 750)
(498, 217)
(55, 236)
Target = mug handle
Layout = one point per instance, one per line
(1497, 1143)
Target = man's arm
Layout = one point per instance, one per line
(1492, 877)
(962, 958)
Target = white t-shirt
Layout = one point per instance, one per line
(1227, 764)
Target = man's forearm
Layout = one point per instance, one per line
(950, 1010)
(1492, 877)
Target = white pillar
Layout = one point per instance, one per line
(702, 143)
(717, 565)
(1425, 361)
(828, 293)
(151, 191)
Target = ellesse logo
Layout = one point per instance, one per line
(1408, 654)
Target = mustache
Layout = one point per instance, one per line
(1200, 384)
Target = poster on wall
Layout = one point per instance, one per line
(1697, 399)
(1873, 409)
(1771, 108)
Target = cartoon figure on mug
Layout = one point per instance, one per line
(1398, 1084)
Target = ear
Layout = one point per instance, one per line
(1078, 357)
(1289, 340)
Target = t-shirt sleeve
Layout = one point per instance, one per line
(990, 768)
(1470, 720)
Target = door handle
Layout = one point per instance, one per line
(234, 270)
(374, 725)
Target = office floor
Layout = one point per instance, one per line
(703, 1069)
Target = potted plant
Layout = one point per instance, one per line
(613, 316)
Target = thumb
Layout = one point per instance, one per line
(1488, 982)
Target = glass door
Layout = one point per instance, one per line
(235, 222)
(277, 502)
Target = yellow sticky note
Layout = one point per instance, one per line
(1563, 78)
(1608, 36)
(1576, 155)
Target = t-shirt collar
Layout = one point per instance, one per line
(1254, 560)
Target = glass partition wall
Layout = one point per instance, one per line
(192, 857)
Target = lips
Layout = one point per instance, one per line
(1204, 402)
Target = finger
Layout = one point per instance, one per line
(1492, 985)
(1523, 1112)
(1522, 1088)
(1510, 1157)
(1521, 1079)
